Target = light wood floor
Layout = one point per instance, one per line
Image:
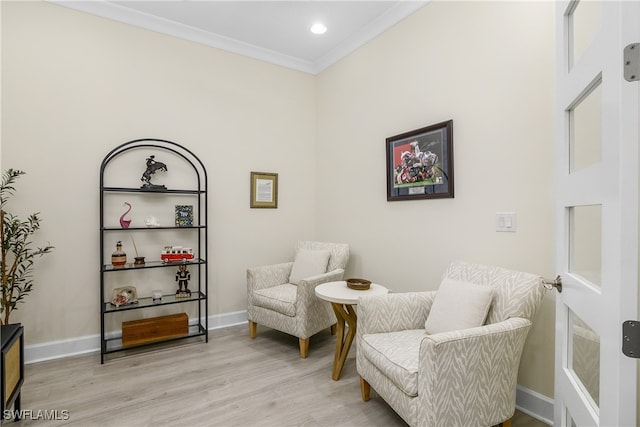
(231, 381)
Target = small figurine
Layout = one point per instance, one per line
(152, 221)
(152, 167)
(125, 223)
(182, 277)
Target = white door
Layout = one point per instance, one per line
(597, 213)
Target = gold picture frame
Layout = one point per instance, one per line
(264, 190)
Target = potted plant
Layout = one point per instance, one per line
(18, 254)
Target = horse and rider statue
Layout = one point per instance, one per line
(152, 167)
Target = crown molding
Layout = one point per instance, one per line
(385, 21)
(160, 25)
(136, 18)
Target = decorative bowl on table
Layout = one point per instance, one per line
(358, 284)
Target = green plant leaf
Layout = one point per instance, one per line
(17, 251)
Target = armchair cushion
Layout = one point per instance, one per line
(308, 262)
(281, 298)
(395, 354)
(458, 305)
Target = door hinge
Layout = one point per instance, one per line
(631, 338)
(632, 62)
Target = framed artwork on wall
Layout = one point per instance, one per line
(420, 163)
(264, 190)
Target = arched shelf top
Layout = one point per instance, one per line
(156, 145)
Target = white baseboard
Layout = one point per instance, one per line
(528, 401)
(534, 404)
(91, 343)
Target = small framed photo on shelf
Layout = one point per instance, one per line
(184, 215)
(264, 190)
(420, 163)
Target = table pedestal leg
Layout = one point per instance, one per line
(344, 313)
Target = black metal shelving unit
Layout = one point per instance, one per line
(199, 328)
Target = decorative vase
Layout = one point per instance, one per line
(119, 257)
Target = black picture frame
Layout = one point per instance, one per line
(420, 163)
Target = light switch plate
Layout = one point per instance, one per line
(506, 221)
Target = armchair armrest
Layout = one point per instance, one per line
(307, 286)
(478, 365)
(394, 312)
(268, 275)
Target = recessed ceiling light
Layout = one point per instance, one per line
(318, 28)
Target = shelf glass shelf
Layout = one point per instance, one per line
(151, 264)
(148, 302)
(143, 190)
(172, 227)
(115, 344)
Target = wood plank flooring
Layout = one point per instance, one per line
(231, 381)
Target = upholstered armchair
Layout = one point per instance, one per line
(282, 296)
(449, 357)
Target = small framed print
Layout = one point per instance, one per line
(264, 190)
(420, 163)
(184, 215)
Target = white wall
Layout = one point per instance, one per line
(74, 86)
(489, 66)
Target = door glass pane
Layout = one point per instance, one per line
(585, 132)
(585, 240)
(584, 22)
(585, 357)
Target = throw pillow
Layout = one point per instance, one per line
(458, 305)
(308, 263)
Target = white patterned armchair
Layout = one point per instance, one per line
(438, 377)
(282, 296)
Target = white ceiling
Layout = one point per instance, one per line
(272, 31)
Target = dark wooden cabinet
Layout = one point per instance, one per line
(12, 367)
